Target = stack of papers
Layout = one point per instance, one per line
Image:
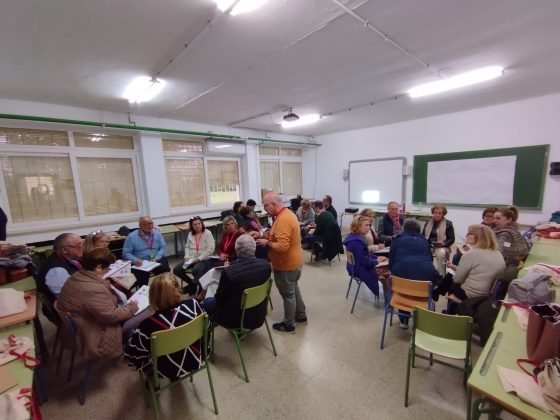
(142, 298)
(119, 268)
(147, 265)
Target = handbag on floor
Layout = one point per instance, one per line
(543, 332)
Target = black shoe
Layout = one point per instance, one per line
(302, 320)
(280, 326)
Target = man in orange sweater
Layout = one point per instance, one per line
(284, 250)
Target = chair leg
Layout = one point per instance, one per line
(41, 339)
(55, 341)
(59, 360)
(270, 301)
(469, 402)
(71, 366)
(43, 396)
(207, 365)
(349, 286)
(431, 359)
(409, 362)
(356, 297)
(238, 344)
(153, 397)
(270, 336)
(383, 331)
(83, 396)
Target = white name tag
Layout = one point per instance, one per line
(507, 244)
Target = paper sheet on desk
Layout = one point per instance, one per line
(523, 385)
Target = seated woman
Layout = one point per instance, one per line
(200, 245)
(226, 249)
(305, 215)
(371, 237)
(512, 245)
(93, 305)
(441, 235)
(478, 269)
(488, 216)
(170, 312)
(365, 263)
(235, 211)
(411, 257)
(100, 239)
(248, 218)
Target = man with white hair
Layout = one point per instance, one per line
(243, 273)
(284, 250)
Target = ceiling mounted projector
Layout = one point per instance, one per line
(290, 116)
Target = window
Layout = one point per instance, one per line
(107, 186)
(49, 175)
(281, 170)
(223, 177)
(39, 188)
(185, 180)
(194, 180)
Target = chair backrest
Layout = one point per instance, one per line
(255, 295)
(69, 329)
(451, 327)
(415, 288)
(350, 258)
(170, 341)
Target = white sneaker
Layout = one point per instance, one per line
(404, 326)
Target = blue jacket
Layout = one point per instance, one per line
(136, 248)
(410, 257)
(365, 264)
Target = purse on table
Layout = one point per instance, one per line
(543, 332)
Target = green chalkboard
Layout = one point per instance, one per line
(530, 173)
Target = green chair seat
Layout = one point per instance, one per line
(453, 349)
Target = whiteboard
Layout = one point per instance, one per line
(376, 181)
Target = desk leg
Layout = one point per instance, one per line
(483, 406)
(176, 244)
(41, 339)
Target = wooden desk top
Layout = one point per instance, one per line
(16, 367)
(27, 315)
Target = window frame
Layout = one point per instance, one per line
(280, 159)
(72, 153)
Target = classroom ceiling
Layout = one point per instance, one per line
(315, 56)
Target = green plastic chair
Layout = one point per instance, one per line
(170, 341)
(448, 336)
(251, 298)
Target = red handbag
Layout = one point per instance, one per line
(543, 332)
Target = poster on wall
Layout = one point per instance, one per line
(472, 181)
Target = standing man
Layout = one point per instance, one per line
(391, 224)
(284, 250)
(327, 204)
(145, 244)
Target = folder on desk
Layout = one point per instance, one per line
(7, 379)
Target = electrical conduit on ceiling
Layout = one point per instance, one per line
(152, 129)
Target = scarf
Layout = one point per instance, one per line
(396, 222)
(440, 230)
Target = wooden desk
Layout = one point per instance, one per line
(25, 316)
(505, 345)
(166, 229)
(16, 367)
(24, 285)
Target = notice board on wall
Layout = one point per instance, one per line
(481, 178)
(376, 181)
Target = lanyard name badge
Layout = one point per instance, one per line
(149, 244)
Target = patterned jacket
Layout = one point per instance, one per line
(137, 351)
(513, 246)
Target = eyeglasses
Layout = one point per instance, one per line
(97, 232)
(74, 246)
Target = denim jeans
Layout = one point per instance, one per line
(287, 284)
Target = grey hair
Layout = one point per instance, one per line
(228, 219)
(411, 225)
(245, 246)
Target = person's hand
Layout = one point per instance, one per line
(382, 259)
(262, 242)
(450, 265)
(381, 246)
(223, 257)
(134, 305)
(226, 263)
(254, 234)
(137, 262)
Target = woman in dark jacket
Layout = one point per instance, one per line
(410, 257)
(364, 263)
(170, 312)
(440, 233)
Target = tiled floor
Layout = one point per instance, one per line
(331, 368)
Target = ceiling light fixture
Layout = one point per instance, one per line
(240, 6)
(143, 89)
(455, 82)
(303, 120)
(290, 116)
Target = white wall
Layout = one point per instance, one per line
(524, 123)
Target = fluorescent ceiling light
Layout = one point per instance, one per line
(222, 146)
(455, 82)
(242, 6)
(143, 89)
(303, 120)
